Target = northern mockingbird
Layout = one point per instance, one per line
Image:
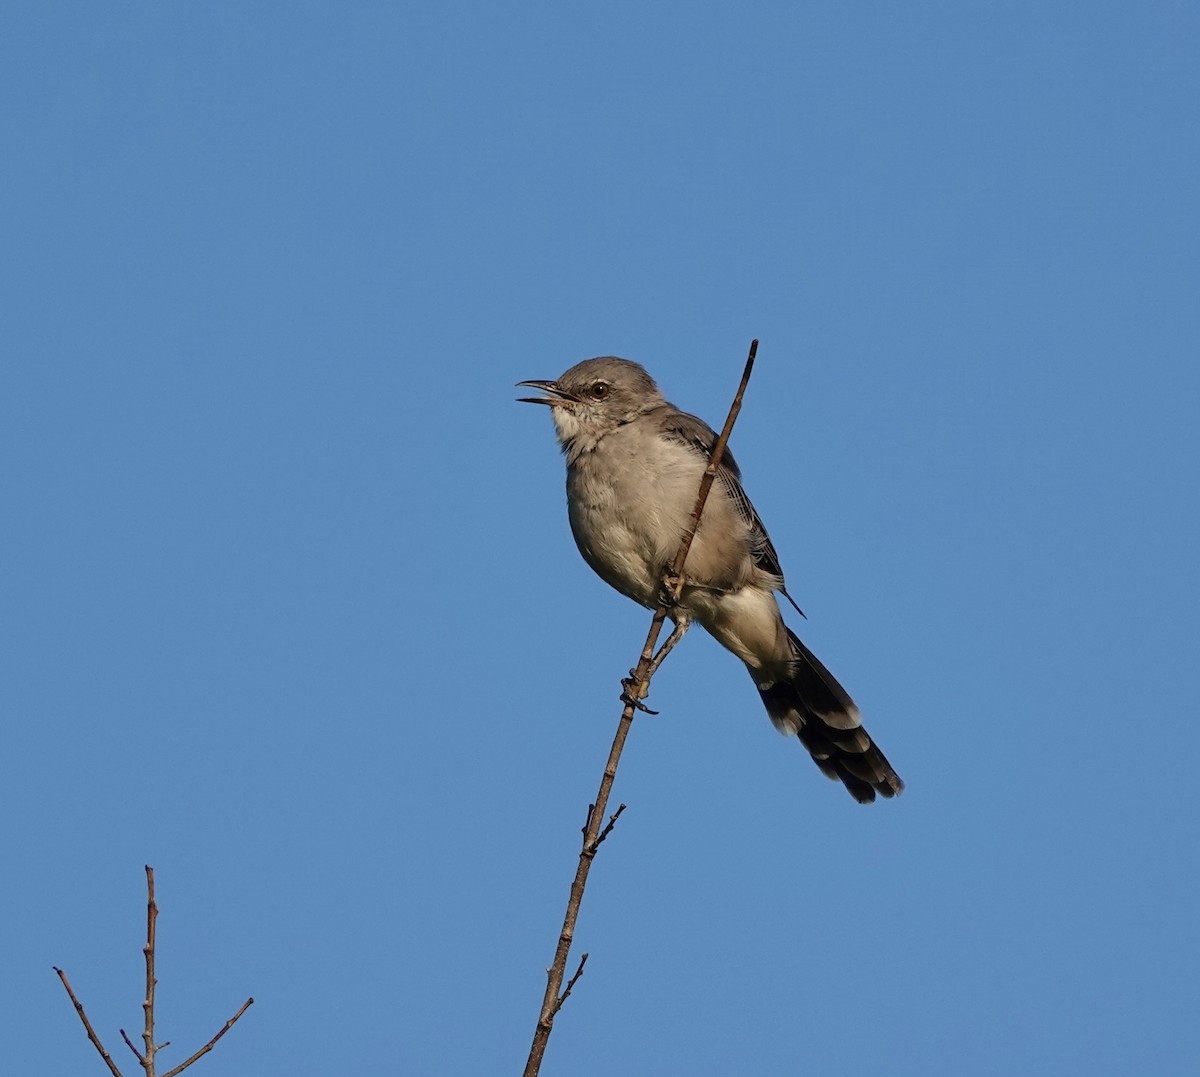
(634, 464)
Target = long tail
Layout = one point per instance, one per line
(820, 712)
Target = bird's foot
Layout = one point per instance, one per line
(630, 695)
(667, 589)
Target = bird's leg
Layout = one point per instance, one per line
(682, 624)
(629, 694)
(668, 599)
(632, 683)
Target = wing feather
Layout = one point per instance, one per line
(698, 436)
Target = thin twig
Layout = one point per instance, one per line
(710, 472)
(112, 1066)
(148, 1004)
(612, 821)
(137, 1054)
(552, 1002)
(570, 984)
(211, 1043)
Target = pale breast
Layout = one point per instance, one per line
(629, 509)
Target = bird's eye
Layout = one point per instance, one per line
(600, 390)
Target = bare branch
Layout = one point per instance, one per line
(714, 464)
(570, 984)
(636, 689)
(148, 1004)
(91, 1032)
(137, 1054)
(211, 1043)
(151, 1048)
(612, 821)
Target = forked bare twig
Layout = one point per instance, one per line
(146, 1061)
(638, 686)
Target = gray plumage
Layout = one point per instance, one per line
(634, 464)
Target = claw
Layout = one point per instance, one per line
(666, 590)
(628, 697)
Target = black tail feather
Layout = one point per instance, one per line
(820, 712)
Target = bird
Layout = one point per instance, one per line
(634, 465)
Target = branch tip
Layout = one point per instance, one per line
(136, 1053)
(91, 1032)
(608, 829)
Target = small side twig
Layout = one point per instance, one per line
(570, 984)
(637, 686)
(612, 821)
(137, 1054)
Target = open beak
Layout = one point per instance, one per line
(556, 396)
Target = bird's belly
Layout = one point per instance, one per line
(628, 517)
(620, 552)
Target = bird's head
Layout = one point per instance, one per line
(595, 397)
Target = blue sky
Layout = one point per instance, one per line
(293, 614)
